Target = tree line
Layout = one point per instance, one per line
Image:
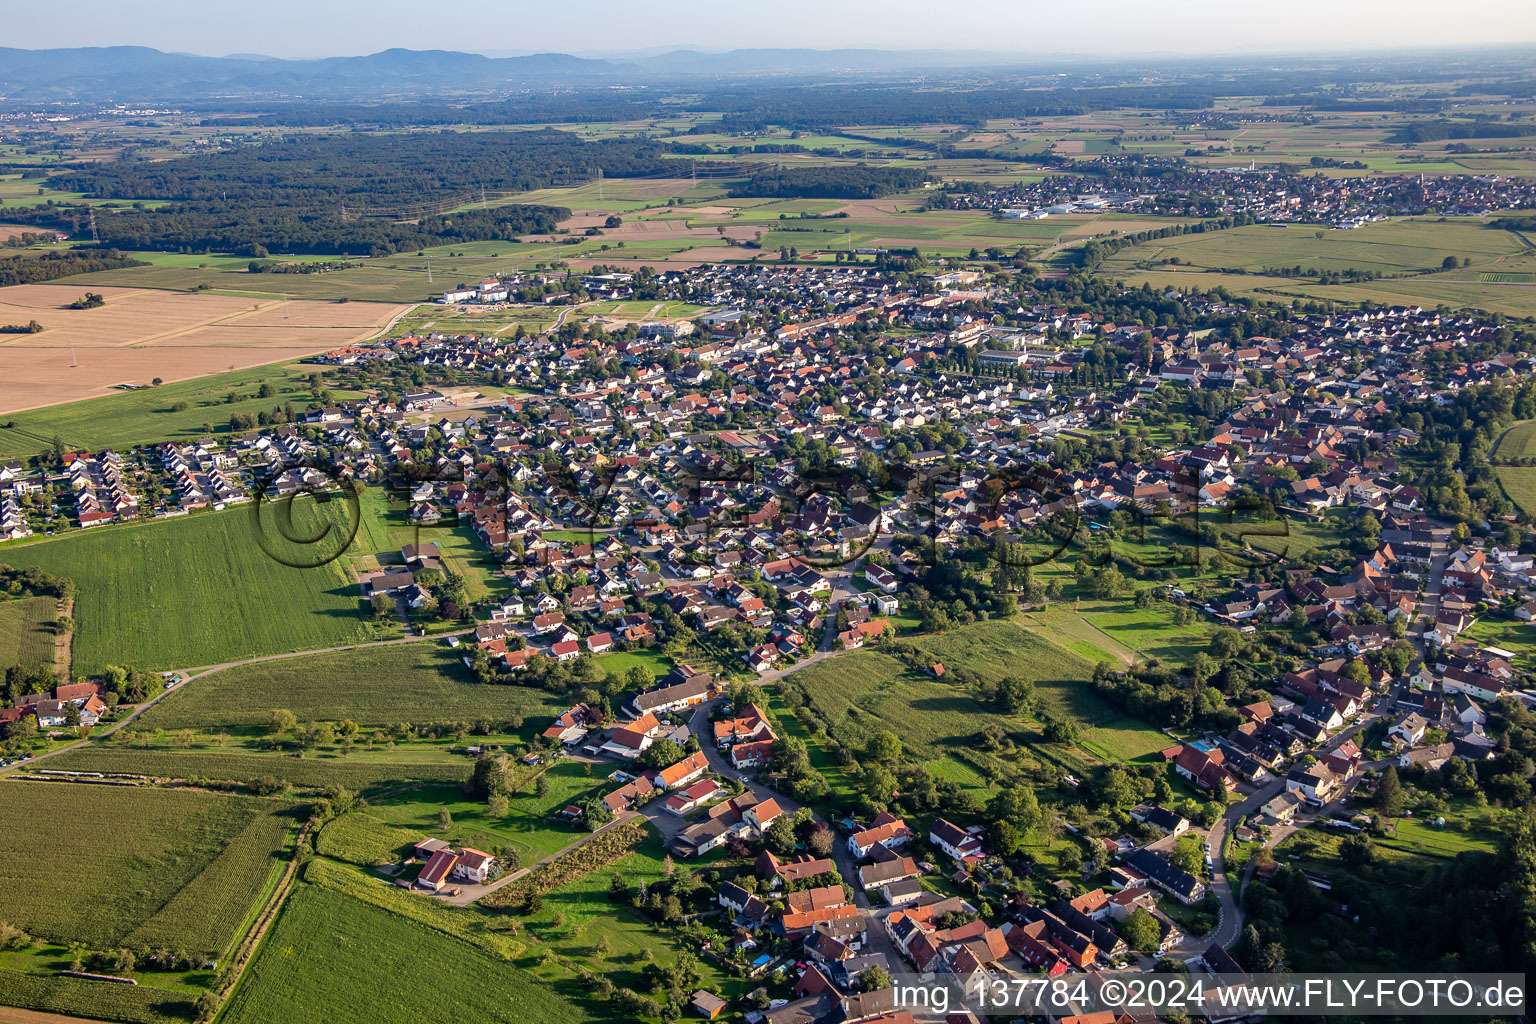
(51, 265)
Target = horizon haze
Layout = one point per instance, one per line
(290, 29)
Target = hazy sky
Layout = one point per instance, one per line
(310, 28)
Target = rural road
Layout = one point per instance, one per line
(1230, 925)
(210, 670)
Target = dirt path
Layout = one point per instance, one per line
(63, 643)
(246, 951)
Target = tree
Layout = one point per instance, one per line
(1140, 931)
(780, 835)
(1017, 808)
(821, 842)
(490, 778)
(595, 813)
(873, 979)
(283, 722)
(444, 820)
(1389, 793)
(1016, 695)
(664, 753)
(878, 782)
(885, 747)
(1187, 854)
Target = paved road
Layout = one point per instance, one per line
(1230, 925)
(877, 941)
(210, 670)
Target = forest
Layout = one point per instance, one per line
(255, 229)
(375, 195)
(856, 182)
(347, 194)
(51, 265)
(373, 172)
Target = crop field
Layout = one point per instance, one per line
(1519, 482)
(164, 868)
(366, 841)
(94, 1000)
(198, 591)
(26, 631)
(413, 682)
(228, 276)
(1388, 247)
(358, 772)
(528, 824)
(126, 419)
(1518, 442)
(337, 959)
(139, 335)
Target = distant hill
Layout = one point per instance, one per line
(142, 74)
(778, 61)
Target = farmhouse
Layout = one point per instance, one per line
(682, 688)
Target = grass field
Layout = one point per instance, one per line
(340, 960)
(198, 591)
(474, 924)
(163, 868)
(133, 418)
(999, 648)
(1414, 835)
(527, 824)
(1118, 631)
(361, 771)
(385, 527)
(26, 631)
(865, 692)
(588, 917)
(416, 682)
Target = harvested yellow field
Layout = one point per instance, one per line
(142, 334)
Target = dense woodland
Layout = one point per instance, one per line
(51, 265)
(842, 182)
(258, 230)
(344, 193)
